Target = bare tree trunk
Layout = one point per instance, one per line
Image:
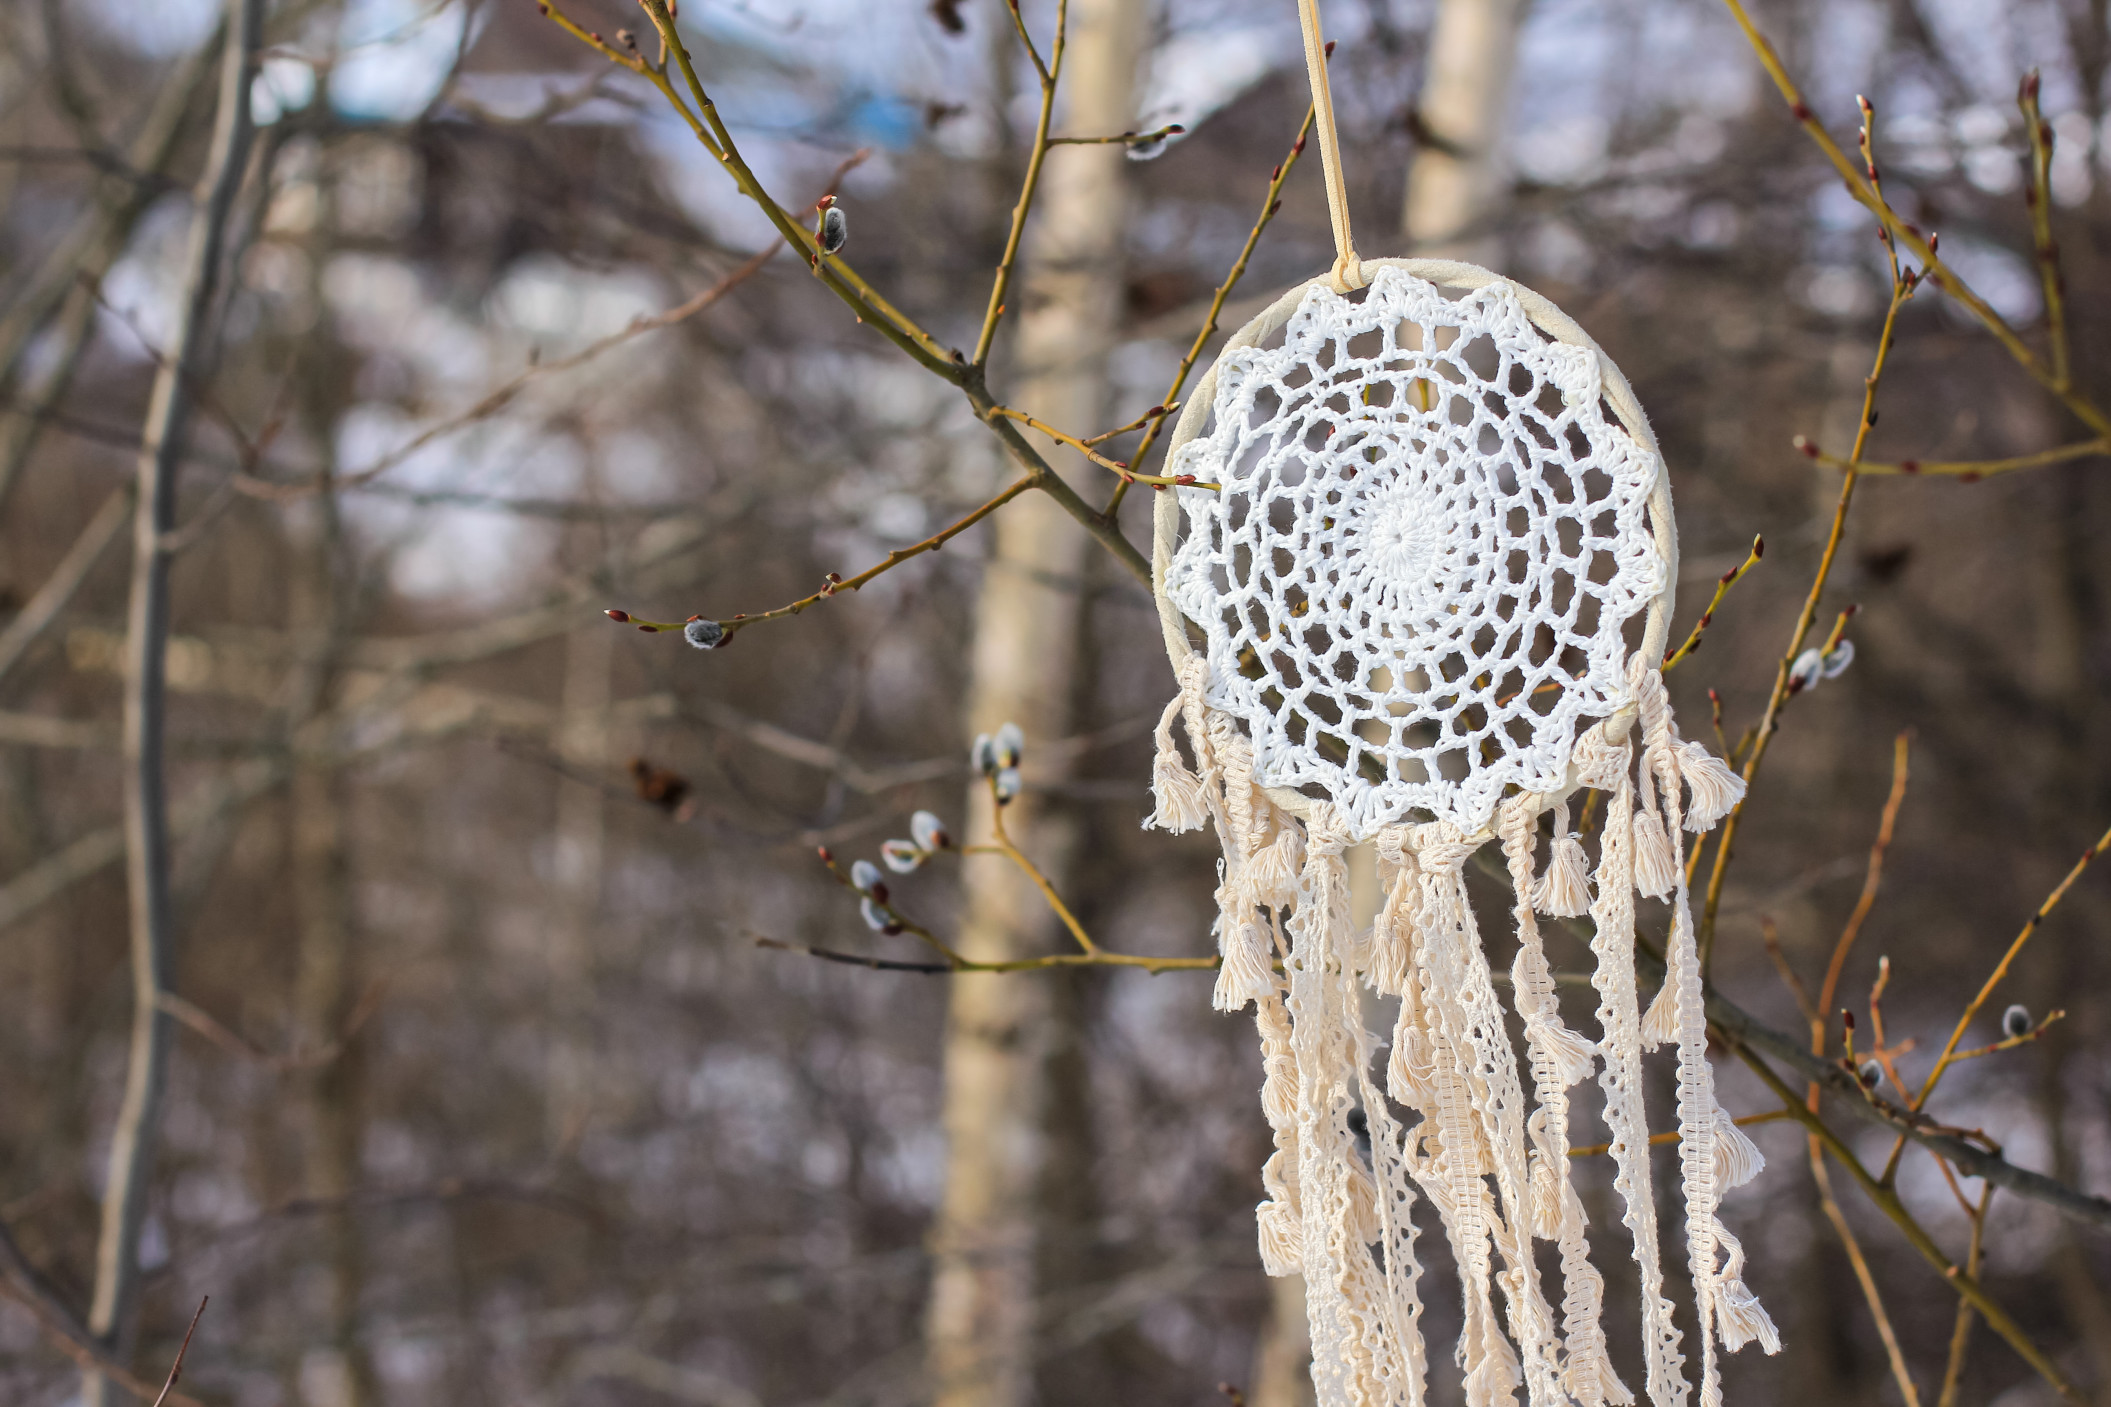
(1456, 181)
(581, 839)
(63, 284)
(998, 1036)
(111, 1314)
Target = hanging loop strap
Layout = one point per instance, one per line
(1348, 269)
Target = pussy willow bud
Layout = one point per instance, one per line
(2015, 1022)
(1008, 785)
(704, 634)
(1808, 669)
(1842, 656)
(835, 229)
(865, 877)
(1872, 1073)
(902, 856)
(876, 918)
(1010, 745)
(929, 831)
(983, 755)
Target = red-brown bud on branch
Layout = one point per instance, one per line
(621, 617)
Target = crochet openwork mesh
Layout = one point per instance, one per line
(1429, 563)
(1430, 539)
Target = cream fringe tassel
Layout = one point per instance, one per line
(1495, 1169)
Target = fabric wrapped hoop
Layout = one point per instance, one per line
(1449, 276)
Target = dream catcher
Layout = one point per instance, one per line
(1417, 599)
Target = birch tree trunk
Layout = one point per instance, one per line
(999, 1039)
(112, 1312)
(1456, 181)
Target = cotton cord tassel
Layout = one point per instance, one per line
(1181, 803)
(1660, 1024)
(1564, 891)
(1276, 865)
(1715, 789)
(1181, 797)
(1737, 1159)
(1739, 1315)
(1247, 973)
(1656, 864)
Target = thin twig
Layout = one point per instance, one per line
(1723, 584)
(1905, 233)
(1270, 203)
(1829, 989)
(1036, 158)
(1862, 1275)
(1902, 287)
(1887, 1200)
(2037, 194)
(1969, 470)
(1961, 1335)
(835, 587)
(2000, 971)
(176, 1368)
(1085, 447)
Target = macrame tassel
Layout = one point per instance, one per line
(1715, 788)
(1181, 799)
(1276, 865)
(1656, 863)
(1282, 1231)
(1571, 1053)
(1247, 973)
(1737, 1159)
(1564, 890)
(1739, 1316)
(1660, 1024)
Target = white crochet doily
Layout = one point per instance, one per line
(1438, 517)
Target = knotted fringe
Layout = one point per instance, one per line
(1181, 797)
(1560, 1058)
(1494, 1165)
(1619, 1018)
(1564, 891)
(1728, 1311)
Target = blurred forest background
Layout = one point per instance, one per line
(481, 1090)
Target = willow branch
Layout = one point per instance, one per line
(1270, 203)
(1907, 235)
(1050, 73)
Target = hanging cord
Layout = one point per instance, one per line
(1348, 269)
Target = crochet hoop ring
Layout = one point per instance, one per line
(1539, 510)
